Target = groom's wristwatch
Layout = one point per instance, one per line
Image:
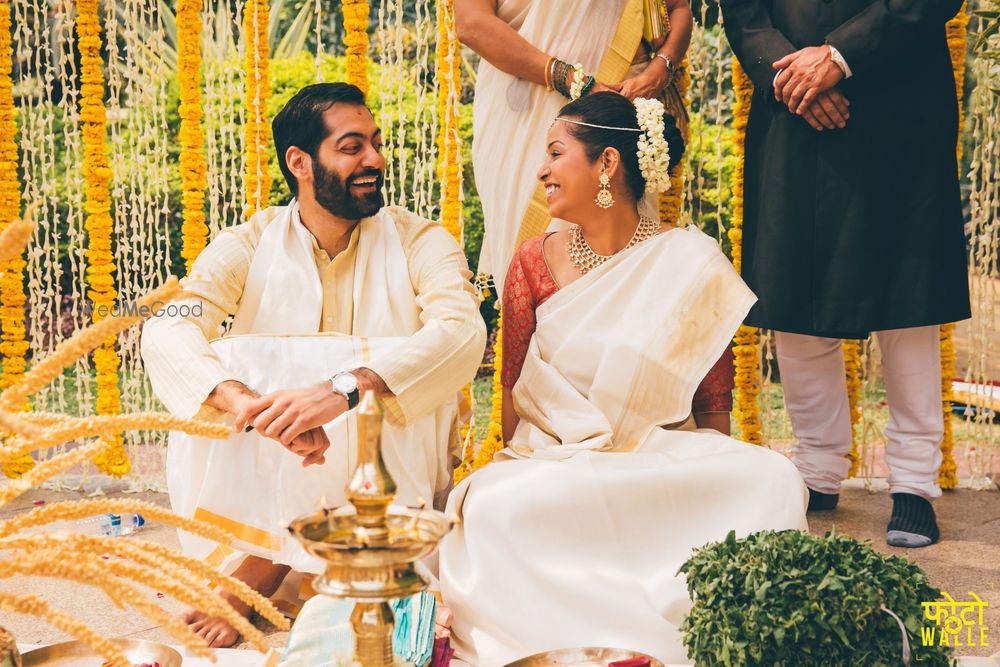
(346, 384)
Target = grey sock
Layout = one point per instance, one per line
(901, 538)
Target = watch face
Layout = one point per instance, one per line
(345, 383)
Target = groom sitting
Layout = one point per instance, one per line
(331, 296)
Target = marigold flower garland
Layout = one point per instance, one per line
(948, 470)
(746, 342)
(257, 131)
(194, 231)
(449, 147)
(356, 42)
(449, 141)
(670, 201)
(852, 371)
(494, 437)
(957, 31)
(12, 296)
(97, 175)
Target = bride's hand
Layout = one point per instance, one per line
(442, 622)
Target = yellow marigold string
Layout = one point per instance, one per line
(746, 342)
(356, 42)
(494, 436)
(449, 143)
(670, 201)
(97, 175)
(957, 31)
(852, 371)
(13, 343)
(449, 146)
(468, 446)
(948, 471)
(257, 131)
(194, 231)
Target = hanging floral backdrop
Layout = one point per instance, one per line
(142, 127)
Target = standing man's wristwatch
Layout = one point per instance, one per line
(346, 384)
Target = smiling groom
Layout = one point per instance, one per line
(331, 296)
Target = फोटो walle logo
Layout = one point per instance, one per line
(955, 629)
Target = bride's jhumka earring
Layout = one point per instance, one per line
(604, 198)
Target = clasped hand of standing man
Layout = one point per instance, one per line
(806, 81)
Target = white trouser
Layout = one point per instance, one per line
(812, 376)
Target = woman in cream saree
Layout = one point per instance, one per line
(573, 536)
(513, 106)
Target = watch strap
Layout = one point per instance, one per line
(352, 397)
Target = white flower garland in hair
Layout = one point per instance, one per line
(653, 150)
(579, 79)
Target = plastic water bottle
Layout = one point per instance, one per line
(101, 525)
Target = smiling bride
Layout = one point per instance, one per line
(573, 536)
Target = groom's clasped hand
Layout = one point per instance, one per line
(295, 417)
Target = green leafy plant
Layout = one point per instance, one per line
(791, 599)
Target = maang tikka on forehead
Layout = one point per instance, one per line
(600, 127)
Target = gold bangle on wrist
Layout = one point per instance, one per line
(548, 69)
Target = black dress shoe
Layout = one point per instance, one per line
(822, 501)
(913, 523)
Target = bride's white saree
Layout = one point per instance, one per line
(574, 535)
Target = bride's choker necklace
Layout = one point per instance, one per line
(583, 256)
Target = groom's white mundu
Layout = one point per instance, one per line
(251, 485)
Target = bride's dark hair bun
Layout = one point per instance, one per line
(614, 110)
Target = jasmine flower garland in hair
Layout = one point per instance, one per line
(653, 151)
(579, 79)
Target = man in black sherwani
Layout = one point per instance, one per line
(853, 223)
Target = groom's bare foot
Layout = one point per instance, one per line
(260, 574)
(216, 632)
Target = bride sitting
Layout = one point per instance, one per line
(573, 536)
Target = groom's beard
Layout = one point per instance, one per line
(334, 194)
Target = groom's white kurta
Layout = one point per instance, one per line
(397, 301)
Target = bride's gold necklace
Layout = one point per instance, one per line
(583, 256)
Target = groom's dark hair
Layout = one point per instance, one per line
(300, 122)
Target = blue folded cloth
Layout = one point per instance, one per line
(323, 629)
(413, 639)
